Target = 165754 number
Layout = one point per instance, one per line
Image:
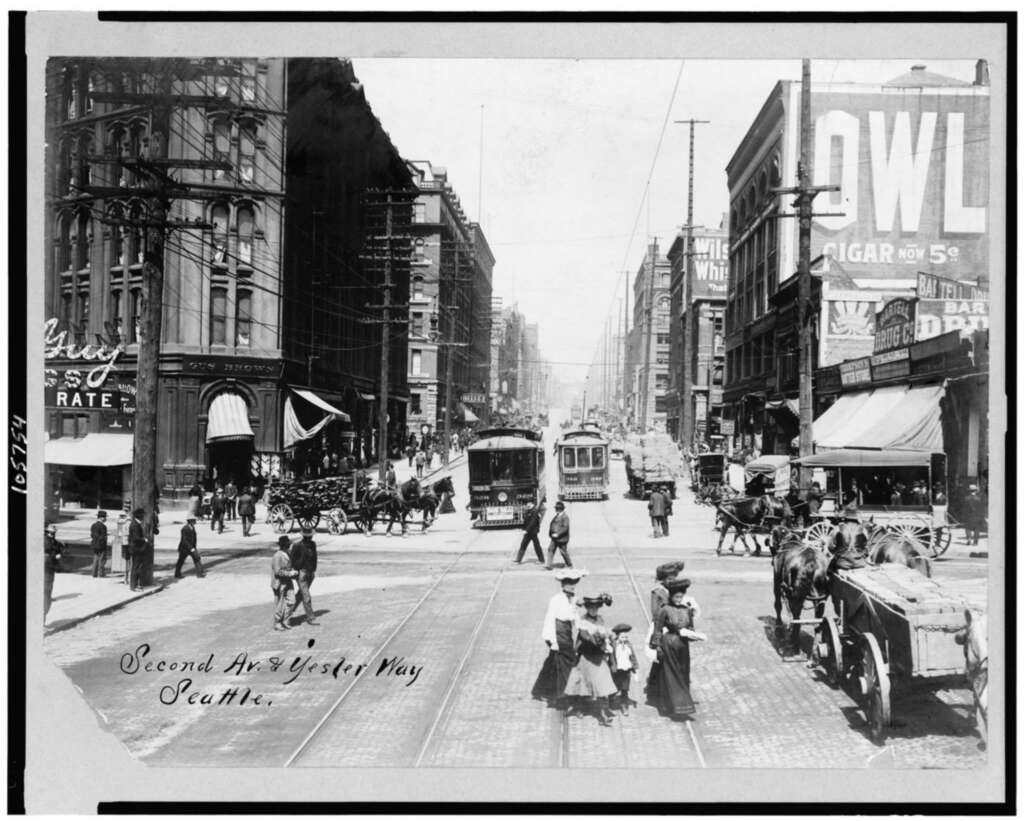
(19, 441)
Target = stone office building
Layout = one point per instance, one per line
(264, 362)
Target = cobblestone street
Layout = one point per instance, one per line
(428, 646)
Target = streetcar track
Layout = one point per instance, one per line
(470, 646)
(377, 653)
(644, 610)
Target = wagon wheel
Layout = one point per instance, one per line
(918, 533)
(337, 521)
(941, 538)
(282, 518)
(308, 521)
(875, 685)
(819, 534)
(828, 650)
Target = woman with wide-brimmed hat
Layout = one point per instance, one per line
(591, 678)
(559, 634)
(659, 598)
(673, 632)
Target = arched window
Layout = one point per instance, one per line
(218, 316)
(221, 144)
(751, 204)
(83, 241)
(219, 218)
(66, 230)
(93, 86)
(246, 232)
(762, 188)
(70, 94)
(246, 150)
(136, 235)
(775, 173)
(117, 229)
(116, 148)
(85, 150)
(243, 321)
(65, 168)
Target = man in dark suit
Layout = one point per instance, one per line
(137, 548)
(187, 547)
(98, 534)
(558, 530)
(218, 507)
(531, 524)
(303, 558)
(53, 550)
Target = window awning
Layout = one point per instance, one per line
(468, 415)
(313, 399)
(854, 458)
(228, 419)
(785, 406)
(93, 450)
(893, 418)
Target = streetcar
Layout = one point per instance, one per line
(506, 470)
(582, 464)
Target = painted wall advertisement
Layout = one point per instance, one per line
(851, 319)
(710, 265)
(913, 169)
(946, 305)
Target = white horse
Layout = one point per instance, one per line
(974, 638)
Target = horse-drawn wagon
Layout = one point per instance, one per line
(336, 498)
(891, 627)
(652, 462)
(879, 485)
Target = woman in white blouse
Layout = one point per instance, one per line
(559, 634)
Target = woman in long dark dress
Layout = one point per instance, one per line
(559, 634)
(673, 632)
(659, 598)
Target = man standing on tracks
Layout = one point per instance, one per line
(558, 530)
(304, 561)
(246, 510)
(531, 524)
(657, 507)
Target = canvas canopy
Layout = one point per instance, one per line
(893, 418)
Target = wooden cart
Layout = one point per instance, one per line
(335, 498)
(891, 626)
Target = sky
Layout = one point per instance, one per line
(568, 148)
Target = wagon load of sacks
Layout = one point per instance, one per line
(317, 494)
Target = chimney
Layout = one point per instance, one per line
(981, 73)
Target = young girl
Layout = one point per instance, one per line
(591, 678)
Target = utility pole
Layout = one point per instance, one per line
(451, 346)
(652, 251)
(386, 252)
(687, 420)
(805, 194)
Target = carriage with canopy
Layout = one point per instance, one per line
(876, 484)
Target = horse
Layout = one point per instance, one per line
(747, 513)
(800, 572)
(393, 502)
(430, 499)
(974, 638)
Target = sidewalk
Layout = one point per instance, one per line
(77, 596)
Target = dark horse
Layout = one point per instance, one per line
(430, 499)
(392, 503)
(800, 573)
(748, 513)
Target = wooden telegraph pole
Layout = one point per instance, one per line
(805, 194)
(687, 383)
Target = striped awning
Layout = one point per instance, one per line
(323, 404)
(228, 419)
